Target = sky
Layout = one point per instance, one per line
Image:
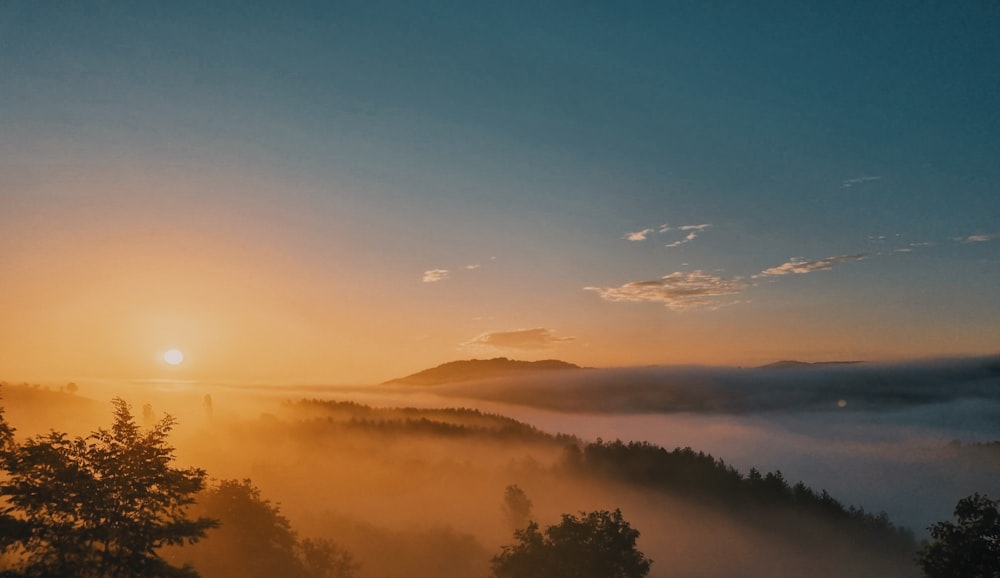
(348, 192)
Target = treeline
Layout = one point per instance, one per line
(321, 416)
(762, 499)
(58, 492)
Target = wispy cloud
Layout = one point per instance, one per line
(536, 338)
(848, 183)
(982, 238)
(435, 275)
(678, 291)
(692, 231)
(638, 235)
(799, 266)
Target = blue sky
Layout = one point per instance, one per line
(338, 155)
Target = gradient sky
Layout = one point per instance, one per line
(353, 191)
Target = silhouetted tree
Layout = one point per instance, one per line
(98, 506)
(969, 548)
(256, 540)
(599, 544)
(516, 506)
(323, 558)
(148, 415)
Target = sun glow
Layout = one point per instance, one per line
(173, 357)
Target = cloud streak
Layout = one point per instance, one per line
(523, 339)
(678, 291)
(692, 232)
(799, 266)
(638, 235)
(435, 275)
(982, 238)
(848, 183)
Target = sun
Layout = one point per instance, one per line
(173, 357)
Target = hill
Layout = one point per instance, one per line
(472, 369)
(791, 364)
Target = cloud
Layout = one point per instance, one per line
(693, 231)
(435, 275)
(687, 239)
(638, 235)
(799, 266)
(537, 338)
(982, 238)
(679, 291)
(848, 183)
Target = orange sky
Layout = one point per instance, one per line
(303, 206)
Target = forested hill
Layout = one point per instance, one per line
(472, 369)
(765, 501)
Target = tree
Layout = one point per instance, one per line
(516, 506)
(322, 558)
(99, 506)
(598, 544)
(256, 540)
(969, 548)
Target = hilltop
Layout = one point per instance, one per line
(791, 363)
(472, 369)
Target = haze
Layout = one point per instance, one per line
(222, 212)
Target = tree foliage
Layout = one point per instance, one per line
(969, 548)
(99, 506)
(700, 477)
(257, 540)
(516, 506)
(598, 544)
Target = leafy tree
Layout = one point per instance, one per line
(969, 548)
(254, 539)
(323, 558)
(599, 544)
(257, 540)
(516, 506)
(99, 506)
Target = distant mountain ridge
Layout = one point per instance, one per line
(471, 369)
(791, 363)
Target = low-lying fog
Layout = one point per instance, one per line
(881, 437)
(874, 435)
